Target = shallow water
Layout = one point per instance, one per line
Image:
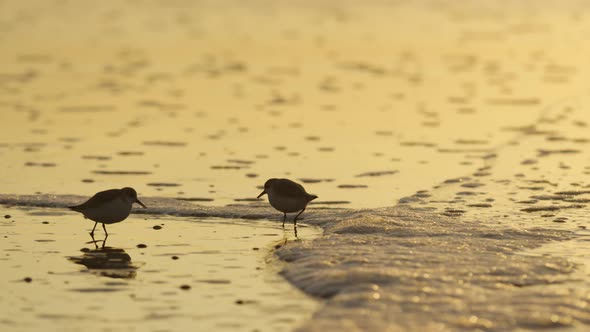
(468, 120)
(156, 273)
(203, 116)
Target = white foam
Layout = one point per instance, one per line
(388, 268)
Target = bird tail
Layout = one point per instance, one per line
(74, 208)
(312, 197)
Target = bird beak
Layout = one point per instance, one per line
(140, 203)
(262, 193)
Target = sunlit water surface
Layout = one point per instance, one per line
(470, 118)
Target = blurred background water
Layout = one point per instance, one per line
(366, 103)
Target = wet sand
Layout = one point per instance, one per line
(156, 273)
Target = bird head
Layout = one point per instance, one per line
(267, 185)
(131, 195)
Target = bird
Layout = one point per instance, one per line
(287, 196)
(108, 207)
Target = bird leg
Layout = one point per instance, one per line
(295, 221)
(298, 214)
(92, 232)
(105, 231)
(284, 218)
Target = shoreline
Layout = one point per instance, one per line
(161, 206)
(397, 261)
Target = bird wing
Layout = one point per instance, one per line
(290, 188)
(98, 198)
(309, 196)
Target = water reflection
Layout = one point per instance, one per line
(107, 261)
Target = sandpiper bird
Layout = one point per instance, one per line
(287, 196)
(108, 207)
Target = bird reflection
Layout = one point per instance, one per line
(108, 262)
